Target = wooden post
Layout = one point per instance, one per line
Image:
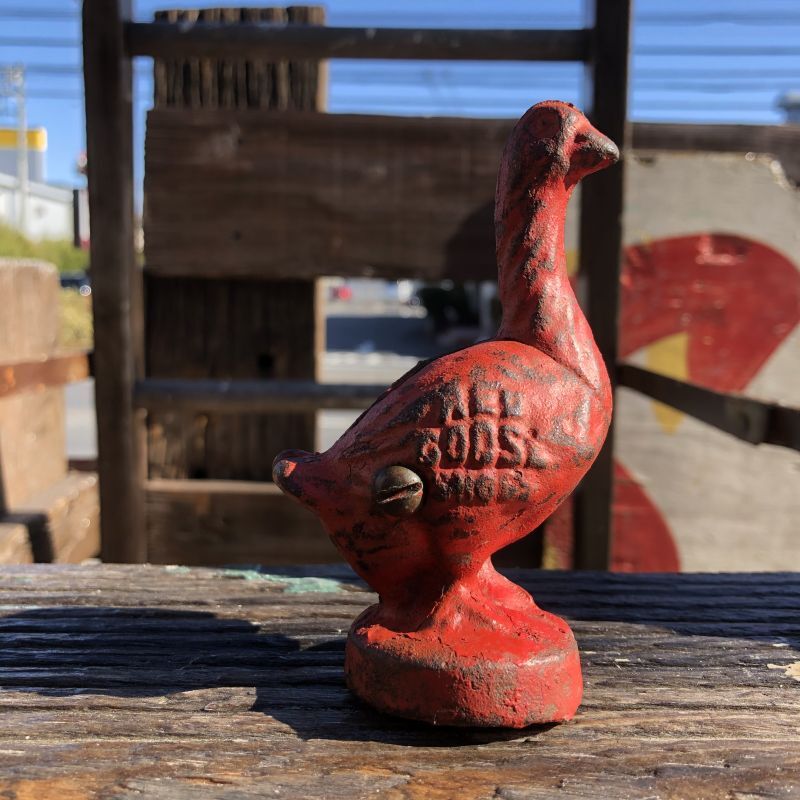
(602, 202)
(109, 132)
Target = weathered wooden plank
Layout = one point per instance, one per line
(54, 370)
(221, 700)
(163, 40)
(229, 522)
(258, 654)
(782, 141)
(26, 468)
(29, 293)
(139, 580)
(241, 80)
(740, 725)
(71, 529)
(223, 330)
(293, 195)
(523, 767)
(29, 322)
(109, 146)
(436, 179)
(131, 696)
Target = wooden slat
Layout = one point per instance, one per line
(435, 178)
(293, 195)
(29, 297)
(601, 237)
(746, 418)
(53, 371)
(164, 40)
(32, 443)
(782, 141)
(241, 396)
(31, 399)
(720, 138)
(231, 522)
(109, 122)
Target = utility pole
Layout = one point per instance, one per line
(18, 84)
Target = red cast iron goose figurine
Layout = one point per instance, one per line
(465, 454)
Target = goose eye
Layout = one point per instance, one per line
(547, 124)
(397, 491)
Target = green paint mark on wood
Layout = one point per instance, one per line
(289, 584)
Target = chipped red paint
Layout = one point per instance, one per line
(737, 300)
(498, 434)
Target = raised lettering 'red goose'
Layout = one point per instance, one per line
(465, 454)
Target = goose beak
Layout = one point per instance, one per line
(286, 474)
(592, 151)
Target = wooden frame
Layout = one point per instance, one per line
(123, 395)
(54, 371)
(111, 39)
(107, 73)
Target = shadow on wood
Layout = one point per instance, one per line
(154, 652)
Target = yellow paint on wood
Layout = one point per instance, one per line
(37, 139)
(572, 263)
(669, 356)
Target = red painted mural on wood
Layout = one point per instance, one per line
(735, 300)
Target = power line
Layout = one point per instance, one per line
(500, 73)
(760, 18)
(716, 51)
(427, 102)
(25, 41)
(684, 87)
(50, 14)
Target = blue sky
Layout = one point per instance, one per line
(693, 61)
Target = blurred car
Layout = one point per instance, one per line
(342, 292)
(76, 280)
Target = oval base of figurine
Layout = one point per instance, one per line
(424, 677)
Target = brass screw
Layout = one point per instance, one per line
(398, 491)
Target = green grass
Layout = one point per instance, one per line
(59, 252)
(75, 331)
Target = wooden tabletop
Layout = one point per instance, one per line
(181, 683)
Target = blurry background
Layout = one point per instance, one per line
(690, 497)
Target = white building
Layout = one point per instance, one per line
(48, 210)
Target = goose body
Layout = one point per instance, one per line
(468, 453)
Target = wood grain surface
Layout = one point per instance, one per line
(178, 683)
